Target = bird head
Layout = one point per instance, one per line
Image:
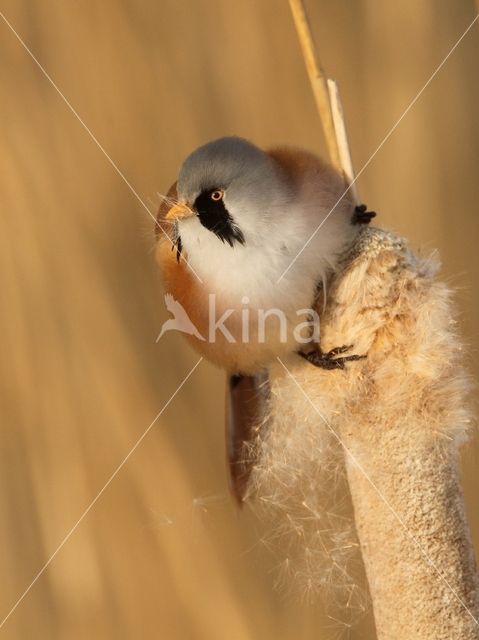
(228, 191)
(242, 214)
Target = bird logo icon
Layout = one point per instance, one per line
(180, 320)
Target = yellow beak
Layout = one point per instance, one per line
(179, 211)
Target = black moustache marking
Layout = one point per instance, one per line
(214, 216)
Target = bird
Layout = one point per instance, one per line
(257, 235)
(278, 232)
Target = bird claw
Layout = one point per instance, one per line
(362, 215)
(329, 360)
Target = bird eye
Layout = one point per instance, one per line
(216, 195)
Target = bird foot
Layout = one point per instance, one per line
(330, 360)
(362, 215)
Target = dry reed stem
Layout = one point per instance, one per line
(342, 137)
(317, 79)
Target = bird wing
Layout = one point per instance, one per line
(298, 164)
(303, 169)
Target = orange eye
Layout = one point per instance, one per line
(216, 195)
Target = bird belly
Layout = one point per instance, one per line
(237, 337)
(244, 356)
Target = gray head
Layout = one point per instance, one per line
(230, 183)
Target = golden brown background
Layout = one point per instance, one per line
(163, 553)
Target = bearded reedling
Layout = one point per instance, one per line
(244, 224)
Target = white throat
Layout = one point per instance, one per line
(281, 262)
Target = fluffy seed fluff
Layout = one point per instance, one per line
(385, 417)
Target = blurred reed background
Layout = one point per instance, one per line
(164, 553)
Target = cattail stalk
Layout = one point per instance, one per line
(403, 472)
